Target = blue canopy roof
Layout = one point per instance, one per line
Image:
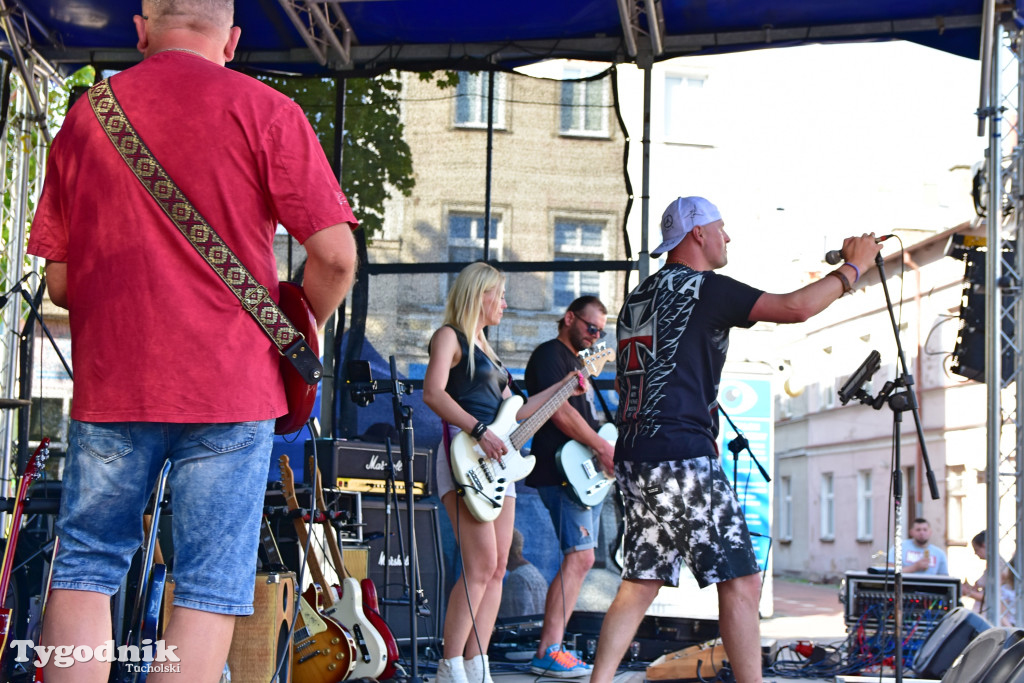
(368, 35)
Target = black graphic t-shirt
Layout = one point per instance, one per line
(673, 335)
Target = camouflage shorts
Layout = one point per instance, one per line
(683, 510)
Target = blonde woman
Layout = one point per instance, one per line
(464, 385)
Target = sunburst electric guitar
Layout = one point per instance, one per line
(483, 481)
(369, 591)
(370, 649)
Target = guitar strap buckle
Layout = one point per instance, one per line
(305, 362)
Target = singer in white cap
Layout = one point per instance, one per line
(673, 334)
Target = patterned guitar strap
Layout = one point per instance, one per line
(254, 297)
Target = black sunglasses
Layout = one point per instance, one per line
(592, 329)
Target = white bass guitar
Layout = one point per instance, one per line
(483, 481)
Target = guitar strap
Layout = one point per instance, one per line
(600, 398)
(254, 297)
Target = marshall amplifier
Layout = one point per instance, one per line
(363, 466)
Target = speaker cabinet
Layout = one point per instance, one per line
(981, 654)
(943, 645)
(261, 640)
(1010, 659)
(388, 572)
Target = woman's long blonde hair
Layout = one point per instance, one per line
(465, 301)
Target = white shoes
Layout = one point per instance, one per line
(451, 671)
(478, 670)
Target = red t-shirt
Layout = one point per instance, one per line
(155, 335)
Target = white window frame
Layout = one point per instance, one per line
(577, 252)
(786, 509)
(472, 92)
(580, 91)
(474, 241)
(828, 506)
(688, 113)
(865, 506)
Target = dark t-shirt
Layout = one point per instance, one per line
(480, 396)
(673, 335)
(550, 363)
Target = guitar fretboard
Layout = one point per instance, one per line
(521, 434)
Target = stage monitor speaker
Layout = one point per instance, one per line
(1010, 660)
(980, 654)
(261, 640)
(943, 645)
(388, 574)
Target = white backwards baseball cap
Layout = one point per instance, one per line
(679, 219)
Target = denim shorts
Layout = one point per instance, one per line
(217, 481)
(575, 524)
(683, 511)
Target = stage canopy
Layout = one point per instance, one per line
(360, 36)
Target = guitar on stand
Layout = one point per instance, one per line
(482, 482)
(370, 650)
(366, 587)
(33, 470)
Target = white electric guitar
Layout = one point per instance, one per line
(588, 484)
(483, 481)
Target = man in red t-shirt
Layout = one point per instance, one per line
(168, 365)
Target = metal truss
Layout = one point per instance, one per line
(633, 30)
(324, 29)
(1001, 105)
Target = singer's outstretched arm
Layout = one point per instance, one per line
(801, 304)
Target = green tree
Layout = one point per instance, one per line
(376, 160)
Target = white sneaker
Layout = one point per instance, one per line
(478, 670)
(451, 671)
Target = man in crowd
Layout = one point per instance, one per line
(576, 524)
(673, 335)
(920, 556)
(168, 365)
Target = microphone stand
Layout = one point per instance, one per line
(403, 421)
(738, 444)
(900, 398)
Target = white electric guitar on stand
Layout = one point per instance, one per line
(482, 481)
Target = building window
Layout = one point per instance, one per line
(786, 509)
(577, 240)
(688, 109)
(471, 100)
(466, 238)
(865, 514)
(828, 507)
(956, 491)
(584, 108)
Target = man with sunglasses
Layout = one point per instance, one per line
(580, 328)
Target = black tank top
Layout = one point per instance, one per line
(480, 396)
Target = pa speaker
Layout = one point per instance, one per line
(389, 570)
(943, 645)
(980, 654)
(1009, 661)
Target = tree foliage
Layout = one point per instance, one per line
(376, 161)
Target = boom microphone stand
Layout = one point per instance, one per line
(362, 394)
(900, 398)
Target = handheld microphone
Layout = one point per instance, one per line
(836, 255)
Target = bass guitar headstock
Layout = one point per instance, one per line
(595, 357)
